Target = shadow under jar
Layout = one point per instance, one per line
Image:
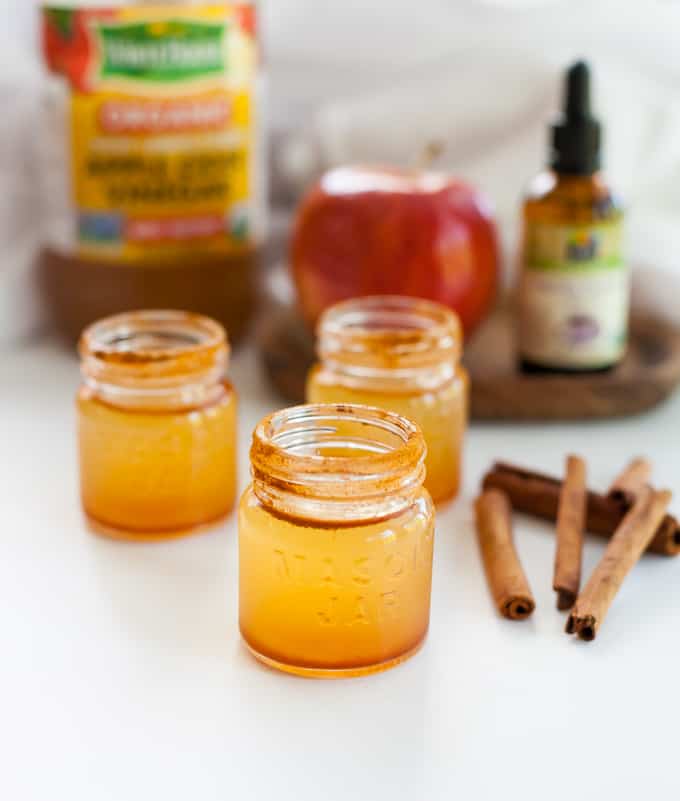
(401, 354)
(335, 541)
(156, 424)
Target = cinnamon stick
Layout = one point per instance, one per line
(626, 486)
(571, 514)
(538, 495)
(507, 582)
(622, 552)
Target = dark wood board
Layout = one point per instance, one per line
(499, 391)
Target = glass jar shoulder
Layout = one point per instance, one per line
(258, 521)
(571, 199)
(90, 404)
(325, 386)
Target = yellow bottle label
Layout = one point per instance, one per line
(163, 119)
(574, 295)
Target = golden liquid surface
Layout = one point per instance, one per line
(79, 291)
(152, 473)
(441, 415)
(328, 601)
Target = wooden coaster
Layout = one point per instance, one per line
(499, 391)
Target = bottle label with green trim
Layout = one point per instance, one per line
(574, 295)
(163, 127)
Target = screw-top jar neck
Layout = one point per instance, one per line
(385, 342)
(336, 463)
(154, 359)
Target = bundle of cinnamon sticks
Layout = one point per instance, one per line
(632, 514)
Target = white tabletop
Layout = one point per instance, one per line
(122, 675)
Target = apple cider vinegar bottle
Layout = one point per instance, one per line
(574, 286)
(335, 541)
(401, 354)
(153, 160)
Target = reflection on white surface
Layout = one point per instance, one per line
(124, 676)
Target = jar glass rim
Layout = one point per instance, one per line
(390, 342)
(150, 336)
(392, 320)
(154, 356)
(337, 461)
(276, 436)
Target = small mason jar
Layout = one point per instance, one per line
(401, 354)
(335, 541)
(156, 424)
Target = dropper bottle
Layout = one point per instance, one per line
(574, 290)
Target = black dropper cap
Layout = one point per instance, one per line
(576, 135)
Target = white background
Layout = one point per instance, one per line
(123, 676)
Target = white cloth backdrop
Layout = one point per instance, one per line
(377, 81)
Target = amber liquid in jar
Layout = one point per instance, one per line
(80, 290)
(156, 424)
(400, 354)
(335, 542)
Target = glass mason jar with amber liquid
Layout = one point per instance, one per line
(401, 354)
(153, 161)
(335, 541)
(156, 424)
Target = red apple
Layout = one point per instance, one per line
(374, 230)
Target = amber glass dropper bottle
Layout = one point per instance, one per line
(574, 287)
